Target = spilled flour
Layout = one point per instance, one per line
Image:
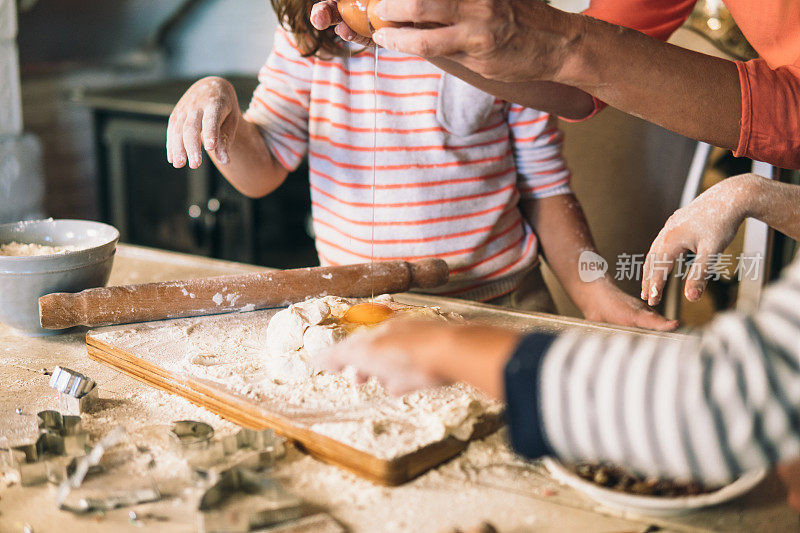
(275, 366)
(24, 249)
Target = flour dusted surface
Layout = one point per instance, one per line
(275, 367)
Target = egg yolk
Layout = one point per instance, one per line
(367, 313)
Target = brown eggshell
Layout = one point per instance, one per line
(354, 14)
(360, 16)
(376, 22)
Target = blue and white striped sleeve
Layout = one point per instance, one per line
(706, 408)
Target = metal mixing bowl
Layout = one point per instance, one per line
(23, 279)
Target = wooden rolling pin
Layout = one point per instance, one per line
(226, 294)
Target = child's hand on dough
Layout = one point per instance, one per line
(381, 353)
(325, 14)
(610, 304)
(206, 116)
(406, 355)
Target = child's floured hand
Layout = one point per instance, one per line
(612, 305)
(705, 227)
(325, 14)
(396, 354)
(406, 355)
(206, 116)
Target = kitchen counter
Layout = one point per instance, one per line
(484, 484)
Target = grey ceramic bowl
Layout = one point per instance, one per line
(23, 279)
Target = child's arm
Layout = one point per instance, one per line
(563, 235)
(708, 225)
(208, 115)
(559, 223)
(255, 150)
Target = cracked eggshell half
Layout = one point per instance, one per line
(360, 16)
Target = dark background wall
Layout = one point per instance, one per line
(71, 45)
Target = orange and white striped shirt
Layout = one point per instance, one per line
(450, 162)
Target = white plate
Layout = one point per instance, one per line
(653, 505)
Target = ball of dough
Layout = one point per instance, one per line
(312, 311)
(285, 331)
(319, 338)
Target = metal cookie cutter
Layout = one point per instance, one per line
(110, 500)
(65, 430)
(51, 456)
(77, 392)
(316, 523)
(242, 500)
(258, 440)
(196, 443)
(191, 435)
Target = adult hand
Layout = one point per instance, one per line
(706, 227)
(493, 38)
(555, 98)
(325, 14)
(406, 355)
(208, 116)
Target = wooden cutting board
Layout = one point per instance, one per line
(144, 360)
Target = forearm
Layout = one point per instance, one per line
(696, 95)
(525, 43)
(563, 233)
(776, 204)
(550, 97)
(475, 354)
(251, 168)
(750, 195)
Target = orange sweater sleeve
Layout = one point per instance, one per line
(770, 126)
(658, 19)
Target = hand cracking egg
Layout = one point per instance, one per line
(360, 16)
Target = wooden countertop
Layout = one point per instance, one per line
(512, 502)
